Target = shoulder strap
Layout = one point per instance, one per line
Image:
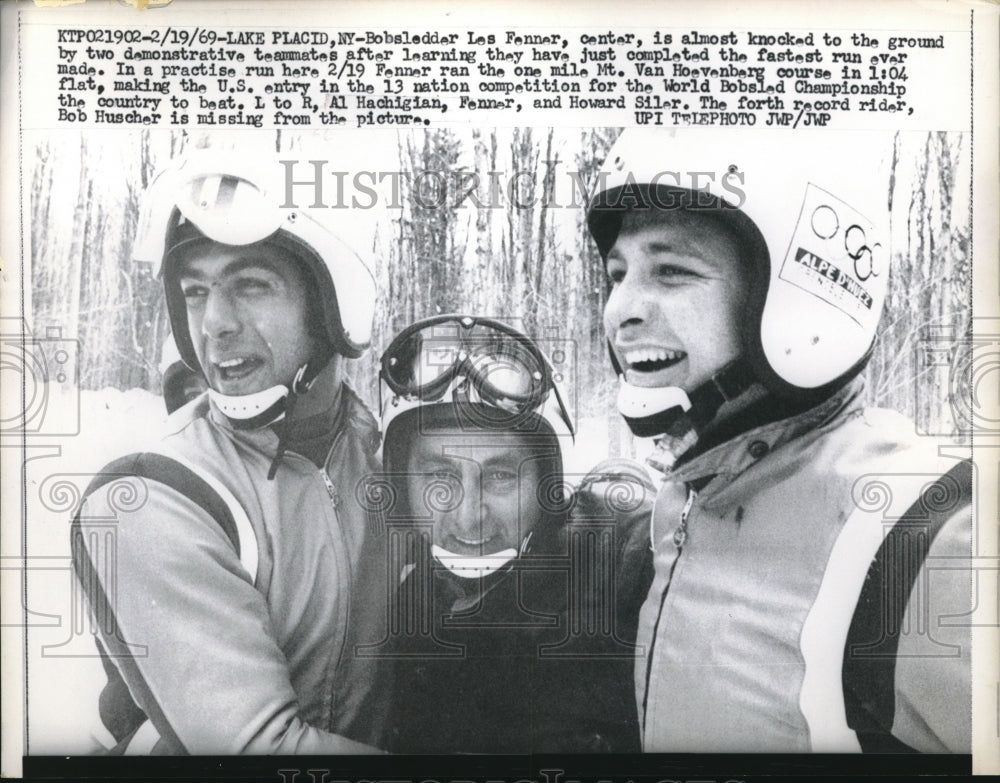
(201, 488)
(172, 473)
(119, 711)
(869, 668)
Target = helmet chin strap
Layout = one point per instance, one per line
(650, 411)
(301, 383)
(249, 411)
(472, 567)
(271, 405)
(678, 418)
(475, 567)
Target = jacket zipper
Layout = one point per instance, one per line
(680, 538)
(331, 491)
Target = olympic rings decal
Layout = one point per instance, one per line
(855, 243)
(826, 224)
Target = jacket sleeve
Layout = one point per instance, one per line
(186, 627)
(621, 489)
(933, 687)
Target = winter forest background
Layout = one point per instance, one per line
(534, 264)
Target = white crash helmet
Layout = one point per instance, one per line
(812, 211)
(238, 201)
(478, 374)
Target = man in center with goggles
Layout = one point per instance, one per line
(246, 573)
(512, 624)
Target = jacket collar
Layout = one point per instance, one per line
(725, 462)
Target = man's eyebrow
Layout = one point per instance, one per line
(235, 266)
(661, 247)
(511, 459)
(433, 465)
(676, 248)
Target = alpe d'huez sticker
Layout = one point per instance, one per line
(835, 255)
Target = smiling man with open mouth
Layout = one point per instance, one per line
(248, 316)
(248, 573)
(747, 274)
(678, 288)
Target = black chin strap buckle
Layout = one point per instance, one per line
(726, 385)
(732, 381)
(303, 379)
(300, 385)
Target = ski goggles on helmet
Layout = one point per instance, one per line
(230, 201)
(480, 360)
(237, 201)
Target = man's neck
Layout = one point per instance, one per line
(314, 426)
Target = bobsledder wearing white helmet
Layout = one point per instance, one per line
(217, 197)
(811, 216)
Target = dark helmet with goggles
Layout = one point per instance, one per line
(466, 373)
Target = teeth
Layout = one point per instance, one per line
(652, 355)
(230, 363)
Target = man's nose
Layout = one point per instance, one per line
(629, 304)
(220, 319)
(469, 514)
